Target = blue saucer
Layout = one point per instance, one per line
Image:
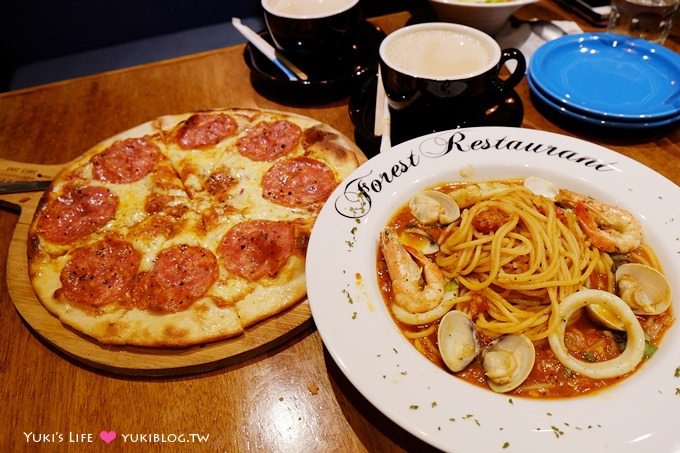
(611, 77)
(595, 121)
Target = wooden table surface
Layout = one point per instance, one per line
(292, 398)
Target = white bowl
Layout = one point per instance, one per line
(487, 17)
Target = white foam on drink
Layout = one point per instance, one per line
(438, 54)
(307, 8)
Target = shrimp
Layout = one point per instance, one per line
(472, 193)
(610, 228)
(410, 292)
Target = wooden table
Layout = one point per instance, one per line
(292, 398)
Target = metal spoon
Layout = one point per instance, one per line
(546, 29)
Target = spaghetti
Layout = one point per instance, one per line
(525, 267)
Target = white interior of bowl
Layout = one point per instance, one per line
(482, 4)
(307, 9)
(487, 17)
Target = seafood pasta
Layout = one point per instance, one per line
(523, 286)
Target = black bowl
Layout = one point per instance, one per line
(330, 78)
(303, 38)
(501, 109)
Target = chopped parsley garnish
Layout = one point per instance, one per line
(650, 349)
(348, 295)
(677, 372)
(413, 407)
(557, 431)
(588, 356)
(620, 338)
(506, 444)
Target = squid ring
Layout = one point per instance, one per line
(622, 364)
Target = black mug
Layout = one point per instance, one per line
(312, 29)
(440, 76)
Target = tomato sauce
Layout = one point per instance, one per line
(548, 378)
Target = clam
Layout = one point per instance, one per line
(457, 338)
(542, 187)
(430, 207)
(606, 317)
(508, 361)
(419, 239)
(643, 288)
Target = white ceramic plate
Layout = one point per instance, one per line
(639, 414)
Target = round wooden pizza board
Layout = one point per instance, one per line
(123, 360)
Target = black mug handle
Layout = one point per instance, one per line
(517, 75)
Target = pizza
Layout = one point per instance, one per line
(187, 229)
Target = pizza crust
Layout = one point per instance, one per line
(267, 300)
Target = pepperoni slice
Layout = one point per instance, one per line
(181, 275)
(100, 273)
(205, 129)
(125, 161)
(257, 248)
(77, 213)
(268, 141)
(298, 182)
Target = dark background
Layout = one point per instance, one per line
(35, 30)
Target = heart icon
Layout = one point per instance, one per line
(107, 436)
